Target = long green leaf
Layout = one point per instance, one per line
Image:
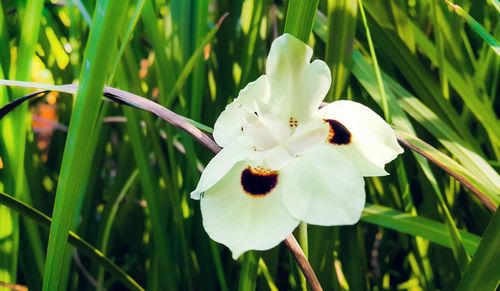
(300, 18)
(417, 226)
(477, 27)
(342, 16)
(483, 272)
(13, 133)
(76, 160)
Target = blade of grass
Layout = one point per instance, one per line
(466, 178)
(438, 37)
(4, 44)
(193, 61)
(378, 76)
(38, 217)
(13, 131)
(150, 187)
(483, 272)
(248, 273)
(97, 56)
(464, 87)
(342, 18)
(252, 17)
(300, 18)
(110, 221)
(269, 278)
(476, 27)
(163, 67)
(416, 226)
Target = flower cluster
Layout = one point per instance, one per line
(284, 160)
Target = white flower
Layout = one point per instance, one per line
(284, 161)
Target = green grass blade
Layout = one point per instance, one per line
(163, 66)
(149, 181)
(464, 87)
(477, 27)
(417, 226)
(483, 272)
(248, 273)
(13, 132)
(111, 219)
(252, 19)
(4, 44)
(33, 214)
(438, 36)
(465, 177)
(193, 62)
(300, 17)
(342, 18)
(76, 160)
(380, 85)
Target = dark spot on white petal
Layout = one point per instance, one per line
(292, 122)
(258, 182)
(338, 133)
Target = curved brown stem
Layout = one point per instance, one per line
(304, 265)
(464, 181)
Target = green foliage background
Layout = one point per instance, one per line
(119, 178)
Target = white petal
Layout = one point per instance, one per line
(322, 187)
(219, 166)
(243, 222)
(297, 86)
(236, 114)
(306, 136)
(274, 158)
(266, 132)
(373, 142)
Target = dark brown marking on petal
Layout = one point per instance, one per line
(258, 182)
(338, 133)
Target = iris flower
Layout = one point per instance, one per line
(284, 161)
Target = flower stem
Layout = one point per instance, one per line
(304, 265)
(303, 242)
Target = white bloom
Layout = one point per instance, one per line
(284, 161)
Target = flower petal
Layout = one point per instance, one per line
(297, 86)
(244, 221)
(323, 187)
(306, 136)
(372, 142)
(229, 124)
(219, 166)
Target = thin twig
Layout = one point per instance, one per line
(84, 270)
(304, 265)
(480, 195)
